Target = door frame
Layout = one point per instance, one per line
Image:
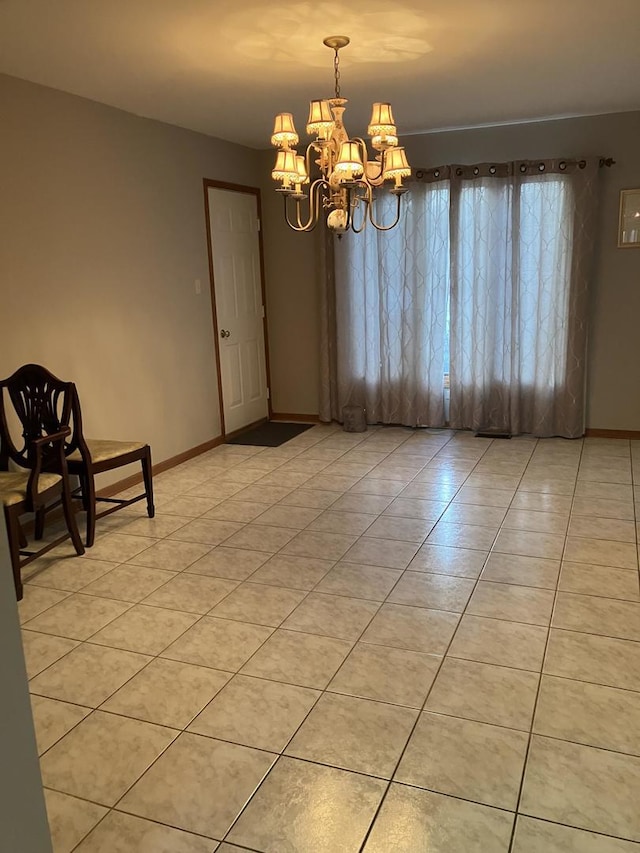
(255, 191)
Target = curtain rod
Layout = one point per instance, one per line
(508, 168)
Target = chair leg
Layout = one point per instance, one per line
(22, 537)
(89, 500)
(39, 525)
(84, 489)
(70, 518)
(13, 535)
(148, 482)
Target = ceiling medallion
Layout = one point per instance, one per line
(347, 177)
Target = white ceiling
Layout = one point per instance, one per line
(225, 68)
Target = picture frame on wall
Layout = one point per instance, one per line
(629, 222)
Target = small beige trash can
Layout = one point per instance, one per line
(354, 419)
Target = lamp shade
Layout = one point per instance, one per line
(350, 159)
(320, 121)
(284, 131)
(303, 177)
(396, 164)
(286, 168)
(382, 122)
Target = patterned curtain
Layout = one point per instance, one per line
(485, 278)
(521, 241)
(384, 321)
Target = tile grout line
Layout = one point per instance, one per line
(542, 665)
(444, 657)
(323, 692)
(113, 808)
(87, 640)
(178, 732)
(110, 809)
(151, 659)
(633, 498)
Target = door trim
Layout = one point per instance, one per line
(255, 191)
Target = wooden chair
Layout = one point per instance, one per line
(87, 457)
(40, 472)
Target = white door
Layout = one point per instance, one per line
(233, 218)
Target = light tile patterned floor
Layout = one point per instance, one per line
(389, 642)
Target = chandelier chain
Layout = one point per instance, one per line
(336, 68)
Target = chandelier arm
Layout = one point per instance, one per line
(316, 191)
(300, 225)
(348, 204)
(314, 212)
(307, 160)
(298, 220)
(385, 227)
(366, 201)
(296, 227)
(362, 227)
(307, 226)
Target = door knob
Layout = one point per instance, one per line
(224, 333)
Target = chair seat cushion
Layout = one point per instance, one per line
(13, 486)
(102, 450)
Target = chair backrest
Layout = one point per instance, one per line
(43, 404)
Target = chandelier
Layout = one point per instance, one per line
(347, 180)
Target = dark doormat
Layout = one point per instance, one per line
(270, 434)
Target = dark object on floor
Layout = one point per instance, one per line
(39, 472)
(354, 419)
(490, 432)
(270, 434)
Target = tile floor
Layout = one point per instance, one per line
(392, 642)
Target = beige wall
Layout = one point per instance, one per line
(614, 353)
(292, 312)
(103, 237)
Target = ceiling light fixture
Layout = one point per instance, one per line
(348, 178)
